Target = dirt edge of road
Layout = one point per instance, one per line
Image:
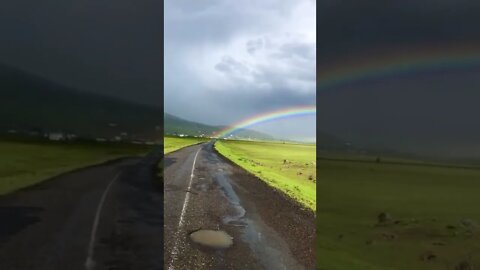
(286, 216)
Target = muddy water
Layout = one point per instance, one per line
(267, 245)
(212, 238)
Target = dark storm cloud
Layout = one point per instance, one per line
(218, 20)
(230, 66)
(227, 60)
(111, 48)
(427, 113)
(302, 51)
(348, 26)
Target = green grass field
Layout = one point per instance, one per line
(427, 205)
(288, 167)
(171, 144)
(26, 163)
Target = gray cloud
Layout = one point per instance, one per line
(98, 46)
(348, 27)
(227, 60)
(430, 112)
(231, 67)
(254, 45)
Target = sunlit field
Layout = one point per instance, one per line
(288, 167)
(374, 215)
(171, 144)
(26, 163)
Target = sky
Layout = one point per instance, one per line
(227, 60)
(105, 47)
(430, 112)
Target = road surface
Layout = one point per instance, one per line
(108, 216)
(205, 191)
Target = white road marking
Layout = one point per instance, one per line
(182, 215)
(90, 263)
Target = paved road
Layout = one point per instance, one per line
(205, 191)
(103, 217)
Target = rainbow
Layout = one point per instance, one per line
(267, 117)
(401, 62)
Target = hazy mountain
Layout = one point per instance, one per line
(29, 102)
(174, 124)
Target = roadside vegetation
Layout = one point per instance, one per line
(375, 215)
(288, 167)
(171, 144)
(25, 163)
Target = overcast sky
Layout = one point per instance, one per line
(106, 47)
(226, 60)
(430, 111)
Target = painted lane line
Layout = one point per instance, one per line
(90, 263)
(182, 216)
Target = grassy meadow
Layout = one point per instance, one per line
(288, 167)
(171, 144)
(430, 218)
(24, 163)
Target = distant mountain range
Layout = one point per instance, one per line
(29, 103)
(176, 125)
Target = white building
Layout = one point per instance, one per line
(56, 136)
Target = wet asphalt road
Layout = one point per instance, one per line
(205, 191)
(108, 216)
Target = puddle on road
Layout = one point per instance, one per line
(212, 238)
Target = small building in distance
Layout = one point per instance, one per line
(56, 136)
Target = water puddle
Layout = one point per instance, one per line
(212, 238)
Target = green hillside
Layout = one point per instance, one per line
(29, 102)
(174, 124)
